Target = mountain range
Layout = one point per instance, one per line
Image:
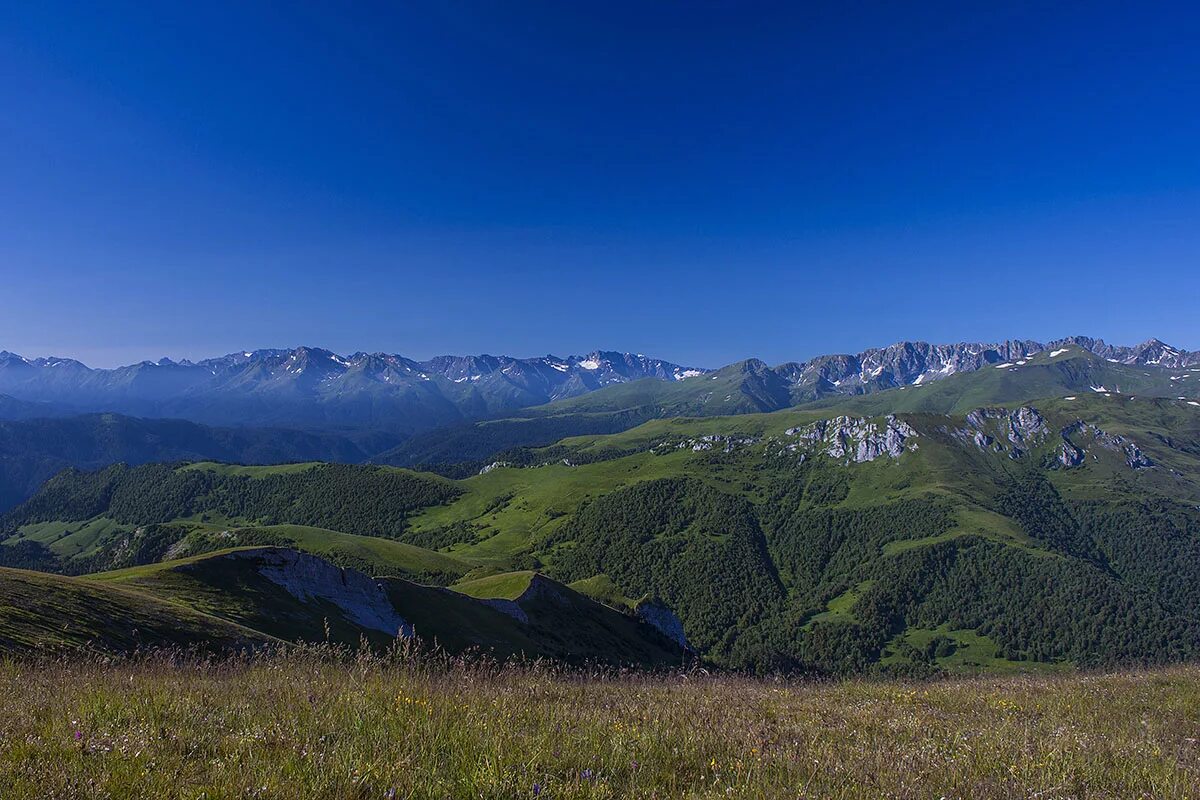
(310, 387)
(314, 388)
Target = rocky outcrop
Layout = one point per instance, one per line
(1069, 455)
(1026, 426)
(712, 441)
(856, 439)
(1023, 429)
(1135, 458)
(1129, 450)
(360, 598)
(664, 620)
(1001, 430)
(510, 607)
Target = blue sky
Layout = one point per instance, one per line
(703, 182)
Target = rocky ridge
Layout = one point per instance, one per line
(1018, 431)
(856, 439)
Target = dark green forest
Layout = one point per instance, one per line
(370, 501)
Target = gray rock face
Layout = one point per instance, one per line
(1135, 458)
(1026, 426)
(712, 441)
(509, 607)
(1133, 455)
(1069, 455)
(1023, 428)
(857, 439)
(664, 619)
(306, 577)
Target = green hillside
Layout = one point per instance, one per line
(1007, 537)
(290, 596)
(797, 558)
(502, 586)
(38, 610)
(123, 516)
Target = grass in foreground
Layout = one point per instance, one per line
(306, 725)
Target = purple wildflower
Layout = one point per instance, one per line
(537, 789)
(79, 736)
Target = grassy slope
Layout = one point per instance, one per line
(602, 589)
(974, 652)
(40, 610)
(573, 624)
(739, 388)
(71, 539)
(516, 509)
(567, 627)
(232, 589)
(457, 622)
(300, 726)
(502, 586)
(385, 556)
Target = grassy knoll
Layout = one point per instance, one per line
(504, 586)
(369, 554)
(306, 725)
(49, 611)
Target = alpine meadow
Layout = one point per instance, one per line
(617, 401)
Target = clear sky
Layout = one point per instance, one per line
(699, 181)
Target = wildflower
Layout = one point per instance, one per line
(79, 736)
(633, 764)
(586, 774)
(537, 789)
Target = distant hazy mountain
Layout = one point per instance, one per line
(314, 388)
(12, 408)
(310, 387)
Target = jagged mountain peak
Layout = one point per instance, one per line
(308, 385)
